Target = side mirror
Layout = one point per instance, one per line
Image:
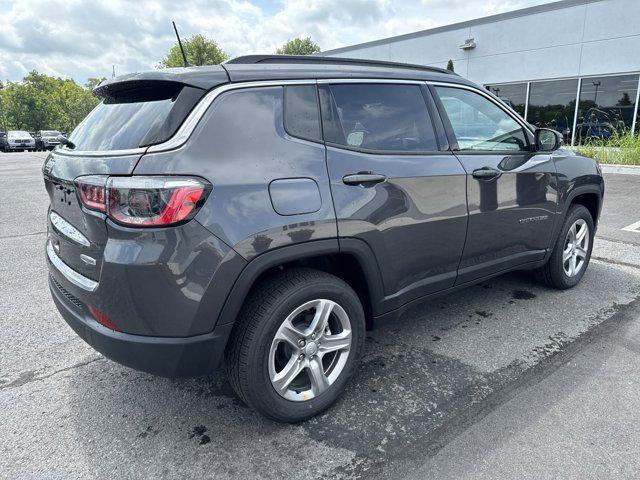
(547, 140)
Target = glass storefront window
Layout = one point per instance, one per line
(514, 95)
(606, 107)
(552, 104)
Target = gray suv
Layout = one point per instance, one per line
(263, 213)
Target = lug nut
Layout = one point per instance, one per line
(301, 357)
(301, 342)
(313, 336)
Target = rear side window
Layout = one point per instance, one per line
(135, 117)
(377, 117)
(301, 112)
(479, 124)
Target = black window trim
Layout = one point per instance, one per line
(504, 107)
(285, 86)
(192, 120)
(372, 81)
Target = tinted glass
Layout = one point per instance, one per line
(514, 95)
(119, 126)
(552, 105)
(606, 106)
(301, 112)
(479, 124)
(380, 117)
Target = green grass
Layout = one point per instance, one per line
(621, 148)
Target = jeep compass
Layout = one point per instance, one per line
(259, 215)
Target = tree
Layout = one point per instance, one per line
(625, 100)
(299, 46)
(93, 82)
(199, 50)
(450, 65)
(42, 102)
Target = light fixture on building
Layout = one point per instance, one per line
(469, 44)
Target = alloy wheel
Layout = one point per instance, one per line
(310, 350)
(576, 248)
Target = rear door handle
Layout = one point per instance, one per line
(486, 173)
(363, 178)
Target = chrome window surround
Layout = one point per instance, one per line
(69, 273)
(68, 230)
(192, 120)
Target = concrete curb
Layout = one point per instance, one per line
(623, 169)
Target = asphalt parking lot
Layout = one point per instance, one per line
(504, 380)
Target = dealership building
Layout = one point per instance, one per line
(572, 65)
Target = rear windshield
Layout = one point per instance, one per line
(119, 126)
(133, 116)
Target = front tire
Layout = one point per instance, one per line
(296, 344)
(572, 251)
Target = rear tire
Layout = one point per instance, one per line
(572, 251)
(292, 374)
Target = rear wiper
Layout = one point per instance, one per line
(66, 142)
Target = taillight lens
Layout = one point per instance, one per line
(93, 192)
(145, 201)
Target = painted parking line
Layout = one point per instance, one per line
(634, 227)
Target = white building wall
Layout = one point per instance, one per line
(566, 39)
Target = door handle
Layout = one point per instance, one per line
(486, 173)
(363, 178)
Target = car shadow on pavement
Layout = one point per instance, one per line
(417, 373)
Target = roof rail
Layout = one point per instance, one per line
(253, 59)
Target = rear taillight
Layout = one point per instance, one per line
(144, 201)
(92, 192)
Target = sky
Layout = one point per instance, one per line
(79, 39)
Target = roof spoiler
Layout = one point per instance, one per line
(317, 59)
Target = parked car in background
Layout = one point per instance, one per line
(3, 141)
(47, 139)
(266, 210)
(19, 140)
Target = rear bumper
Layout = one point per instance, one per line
(165, 356)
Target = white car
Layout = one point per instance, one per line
(48, 139)
(20, 140)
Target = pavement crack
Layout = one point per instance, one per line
(23, 235)
(31, 375)
(616, 240)
(616, 262)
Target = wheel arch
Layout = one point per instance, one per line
(590, 199)
(349, 259)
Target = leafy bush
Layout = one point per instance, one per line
(620, 148)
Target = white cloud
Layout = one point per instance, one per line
(84, 38)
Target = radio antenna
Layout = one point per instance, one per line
(184, 55)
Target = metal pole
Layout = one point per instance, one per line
(526, 101)
(635, 111)
(595, 97)
(575, 114)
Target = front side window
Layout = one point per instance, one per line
(514, 95)
(479, 124)
(377, 117)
